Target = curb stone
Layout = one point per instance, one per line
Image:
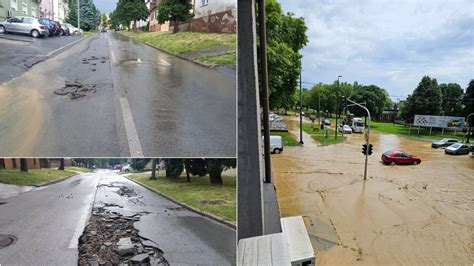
(203, 213)
(55, 181)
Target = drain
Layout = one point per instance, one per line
(7, 240)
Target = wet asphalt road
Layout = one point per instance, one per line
(147, 103)
(49, 221)
(19, 52)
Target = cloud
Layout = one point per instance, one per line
(388, 43)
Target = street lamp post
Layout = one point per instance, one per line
(78, 16)
(367, 138)
(337, 106)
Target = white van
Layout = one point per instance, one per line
(276, 144)
(357, 125)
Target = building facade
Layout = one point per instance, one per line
(53, 9)
(14, 163)
(214, 16)
(11, 8)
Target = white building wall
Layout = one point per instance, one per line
(203, 8)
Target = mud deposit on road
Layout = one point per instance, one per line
(110, 238)
(403, 215)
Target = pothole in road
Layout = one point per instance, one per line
(7, 240)
(111, 237)
(75, 90)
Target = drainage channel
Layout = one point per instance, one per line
(7, 240)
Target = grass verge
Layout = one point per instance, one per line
(397, 129)
(183, 43)
(225, 59)
(199, 193)
(288, 138)
(79, 169)
(320, 136)
(88, 33)
(32, 177)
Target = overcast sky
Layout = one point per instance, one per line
(106, 6)
(387, 43)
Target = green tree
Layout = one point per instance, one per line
(175, 11)
(139, 164)
(426, 99)
(215, 167)
(104, 20)
(377, 100)
(468, 100)
(89, 15)
(286, 36)
(452, 95)
(72, 13)
(174, 167)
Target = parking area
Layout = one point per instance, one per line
(20, 52)
(421, 213)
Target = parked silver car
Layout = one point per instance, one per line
(22, 24)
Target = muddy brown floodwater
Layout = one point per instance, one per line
(403, 215)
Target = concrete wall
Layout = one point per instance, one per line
(14, 163)
(214, 16)
(32, 8)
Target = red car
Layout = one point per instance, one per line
(118, 167)
(400, 157)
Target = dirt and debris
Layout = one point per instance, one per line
(75, 90)
(111, 239)
(126, 191)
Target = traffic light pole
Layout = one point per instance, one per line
(367, 138)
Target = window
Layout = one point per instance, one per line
(204, 2)
(28, 20)
(33, 11)
(25, 8)
(14, 5)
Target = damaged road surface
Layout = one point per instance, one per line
(107, 219)
(110, 96)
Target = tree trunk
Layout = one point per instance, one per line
(176, 22)
(153, 170)
(135, 25)
(61, 164)
(187, 173)
(23, 165)
(216, 178)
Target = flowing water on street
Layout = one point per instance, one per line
(402, 214)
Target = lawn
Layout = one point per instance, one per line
(228, 59)
(319, 136)
(288, 138)
(199, 193)
(183, 43)
(397, 129)
(32, 177)
(79, 169)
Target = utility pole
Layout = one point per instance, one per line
(78, 16)
(265, 100)
(301, 112)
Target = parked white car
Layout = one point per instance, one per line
(127, 168)
(346, 129)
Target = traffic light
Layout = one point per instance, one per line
(364, 149)
(370, 149)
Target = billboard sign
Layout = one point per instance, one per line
(439, 121)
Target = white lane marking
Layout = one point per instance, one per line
(54, 51)
(112, 56)
(110, 43)
(139, 60)
(132, 135)
(82, 222)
